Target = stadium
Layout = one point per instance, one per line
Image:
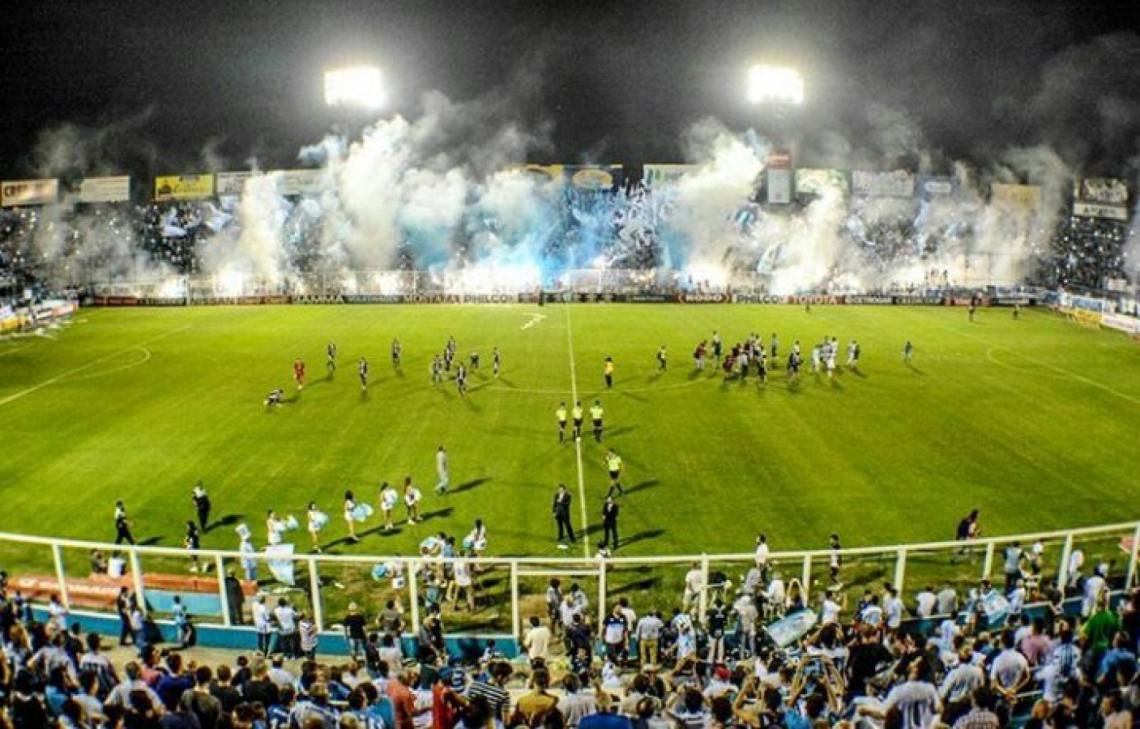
(403, 403)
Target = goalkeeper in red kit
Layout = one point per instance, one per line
(299, 373)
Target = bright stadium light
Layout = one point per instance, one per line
(356, 86)
(775, 84)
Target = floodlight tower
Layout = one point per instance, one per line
(354, 94)
(778, 88)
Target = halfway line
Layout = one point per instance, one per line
(577, 441)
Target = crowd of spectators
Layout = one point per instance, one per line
(1015, 652)
(628, 229)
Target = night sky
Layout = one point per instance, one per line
(179, 86)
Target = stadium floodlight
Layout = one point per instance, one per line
(354, 86)
(778, 84)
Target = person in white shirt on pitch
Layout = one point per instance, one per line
(925, 602)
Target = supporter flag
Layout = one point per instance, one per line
(279, 559)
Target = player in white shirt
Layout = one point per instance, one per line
(442, 471)
(816, 358)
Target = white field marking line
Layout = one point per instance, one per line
(120, 368)
(578, 441)
(1073, 375)
(92, 363)
(14, 350)
(534, 319)
(1048, 365)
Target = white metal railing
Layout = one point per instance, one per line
(412, 567)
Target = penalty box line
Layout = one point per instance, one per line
(51, 381)
(578, 441)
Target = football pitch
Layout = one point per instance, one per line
(1034, 422)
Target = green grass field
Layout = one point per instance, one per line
(1032, 421)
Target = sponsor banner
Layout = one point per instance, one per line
(932, 188)
(1099, 210)
(657, 175)
(115, 301)
(814, 299)
(1106, 190)
(543, 173)
(300, 182)
(237, 300)
(459, 298)
(704, 298)
(103, 189)
(1087, 303)
(1084, 317)
(317, 299)
(640, 298)
(162, 301)
(1024, 197)
(869, 300)
(815, 181)
(183, 187)
(595, 177)
(372, 299)
(1122, 322)
(758, 299)
(917, 300)
(227, 184)
(1013, 301)
(897, 183)
(582, 177)
(28, 192)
